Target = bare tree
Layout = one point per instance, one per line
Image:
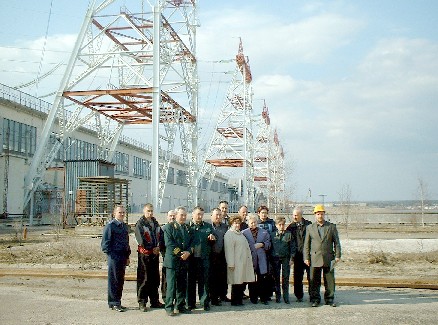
(345, 204)
(423, 195)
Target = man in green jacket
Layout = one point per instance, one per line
(199, 262)
(178, 239)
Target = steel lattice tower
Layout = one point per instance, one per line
(128, 66)
(263, 155)
(231, 145)
(278, 175)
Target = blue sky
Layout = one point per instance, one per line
(352, 86)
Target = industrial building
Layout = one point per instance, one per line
(22, 118)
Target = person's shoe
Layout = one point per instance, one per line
(226, 299)
(278, 299)
(299, 299)
(315, 304)
(216, 303)
(170, 313)
(266, 302)
(245, 297)
(286, 301)
(236, 304)
(330, 303)
(206, 307)
(185, 311)
(142, 307)
(191, 307)
(157, 305)
(255, 301)
(119, 309)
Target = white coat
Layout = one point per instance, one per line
(238, 254)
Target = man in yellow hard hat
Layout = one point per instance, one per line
(322, 250)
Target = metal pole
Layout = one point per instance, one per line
(156, 97)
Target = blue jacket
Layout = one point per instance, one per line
(259, 258)
(115, 240)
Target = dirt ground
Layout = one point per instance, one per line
(58, 277)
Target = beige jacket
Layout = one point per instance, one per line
(238, 254)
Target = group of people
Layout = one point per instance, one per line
(202, 259)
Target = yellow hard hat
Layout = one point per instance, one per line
(318, 208)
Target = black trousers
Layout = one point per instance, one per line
(198, 273)
(163, 283)
(237, 294)
(261, 288)
(116, 280)
(299, 269)
(315, 284)
(148, 278)
(218, 276)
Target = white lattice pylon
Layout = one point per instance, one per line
(125, 63)
(231, 145)
(263, 153)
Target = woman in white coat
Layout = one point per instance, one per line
(239, 261)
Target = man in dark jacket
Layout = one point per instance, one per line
(148, 235)
(218, 264)
(298, 231)
(178, 239)
(115, 243)
(199, 262)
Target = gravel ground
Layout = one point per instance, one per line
(407, 255)
(83, 301)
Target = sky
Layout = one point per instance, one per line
(351, 86)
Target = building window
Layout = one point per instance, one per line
(181, 177)
(18, 137)
(214, 186)
(139, 167)
(122, 162)
(170, 175)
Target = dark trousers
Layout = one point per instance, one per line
(176, 279)
(163, 283)
(218, 276)
(261, 288)
(198, 273)
(116, 280)
(237, 294)
(281, 275)
(148, 278)
(315, 284)
(299, 268)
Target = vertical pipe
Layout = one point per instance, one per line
(156, 98)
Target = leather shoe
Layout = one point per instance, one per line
(315, 304)
(157, 305)
(286, 301)
(331, 303)
(236, 304)
(226, 299)
(119, 309)
(185, 311)
(142, 307)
